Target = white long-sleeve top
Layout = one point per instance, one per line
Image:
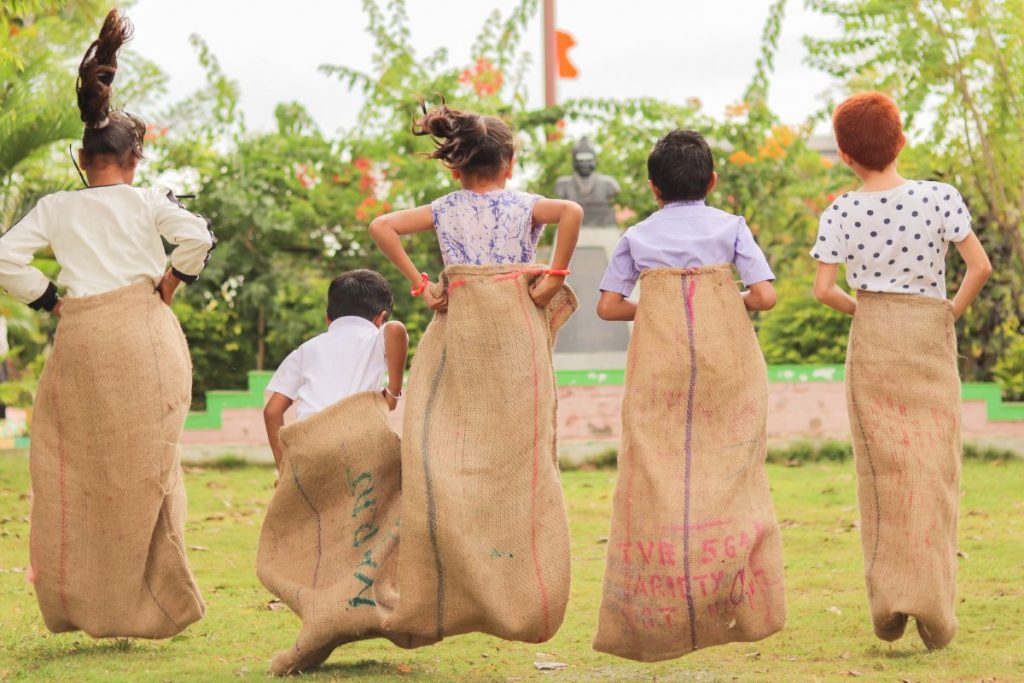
(104, 238)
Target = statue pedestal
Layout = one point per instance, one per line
(587, 342)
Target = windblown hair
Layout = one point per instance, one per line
(472, 144)
(868, 128)
(108, 132)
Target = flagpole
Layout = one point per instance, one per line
(550, 60)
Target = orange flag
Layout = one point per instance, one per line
(564, 41)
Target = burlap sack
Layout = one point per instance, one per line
(329, 544)
(485, 540)
(695, 553)
(108, 510)
(903, 394)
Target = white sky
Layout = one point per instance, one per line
(668, 49)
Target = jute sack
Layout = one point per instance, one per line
(329, 544)
(903, 394)
(485, 539)
(695, 553)
(108, 505)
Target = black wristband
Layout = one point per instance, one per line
(187, 279)
(47, 301)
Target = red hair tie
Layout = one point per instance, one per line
(559, 273)
(422, 287)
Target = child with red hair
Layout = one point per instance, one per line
(902, 386)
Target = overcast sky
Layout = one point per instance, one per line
(668, 49)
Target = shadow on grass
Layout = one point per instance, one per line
(901, 650)
(365, 668)
(60, 646)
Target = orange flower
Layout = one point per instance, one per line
(784, 135)
(771, 149)
(737, 110)
(826, 162)
(741, 158)
(362, 163)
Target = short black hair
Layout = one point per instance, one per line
(681, 166)
(361, 293)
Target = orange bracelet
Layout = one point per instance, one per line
(559, 273)
(422, 287)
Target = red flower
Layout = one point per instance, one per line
(153, 132)
(484, 77)
(362, 163)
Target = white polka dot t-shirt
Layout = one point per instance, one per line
(894, 240)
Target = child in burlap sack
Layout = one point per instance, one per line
(485, 542)
(329, 544)
(353, 355)
(108, 510)
(902, 386)
(694, 553)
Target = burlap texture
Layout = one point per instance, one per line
(485, 539)
(903, 393)
(108, 507)
(329, 544)
(694, 553)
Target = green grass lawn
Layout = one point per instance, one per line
(828, 636)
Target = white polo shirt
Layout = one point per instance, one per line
(346, 359)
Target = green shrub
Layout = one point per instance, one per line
(800, 329)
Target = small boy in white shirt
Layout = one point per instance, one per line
(352, 356)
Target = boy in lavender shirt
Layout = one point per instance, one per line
(685, 232)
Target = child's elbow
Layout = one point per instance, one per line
(985, 269)
(272, 414)
(604, 310)
(767, 300)
(821, 292)
(378, 226)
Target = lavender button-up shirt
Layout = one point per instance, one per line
(685, 234)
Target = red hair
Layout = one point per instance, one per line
(868, 128)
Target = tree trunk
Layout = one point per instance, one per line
(261, 343)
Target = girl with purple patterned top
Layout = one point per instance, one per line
(482, 223)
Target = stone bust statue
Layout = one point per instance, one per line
(591, 190)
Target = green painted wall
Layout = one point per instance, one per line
(217, 401)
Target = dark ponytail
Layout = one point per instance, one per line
(470, 143)
(108, 132)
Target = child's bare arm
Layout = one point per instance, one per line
(569, 216)
(273, 418)
(979, 268)
(760, 296)
(396, 351)
(614, 306)
(829, 293)
(387, 230)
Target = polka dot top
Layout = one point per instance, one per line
(894, 240)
